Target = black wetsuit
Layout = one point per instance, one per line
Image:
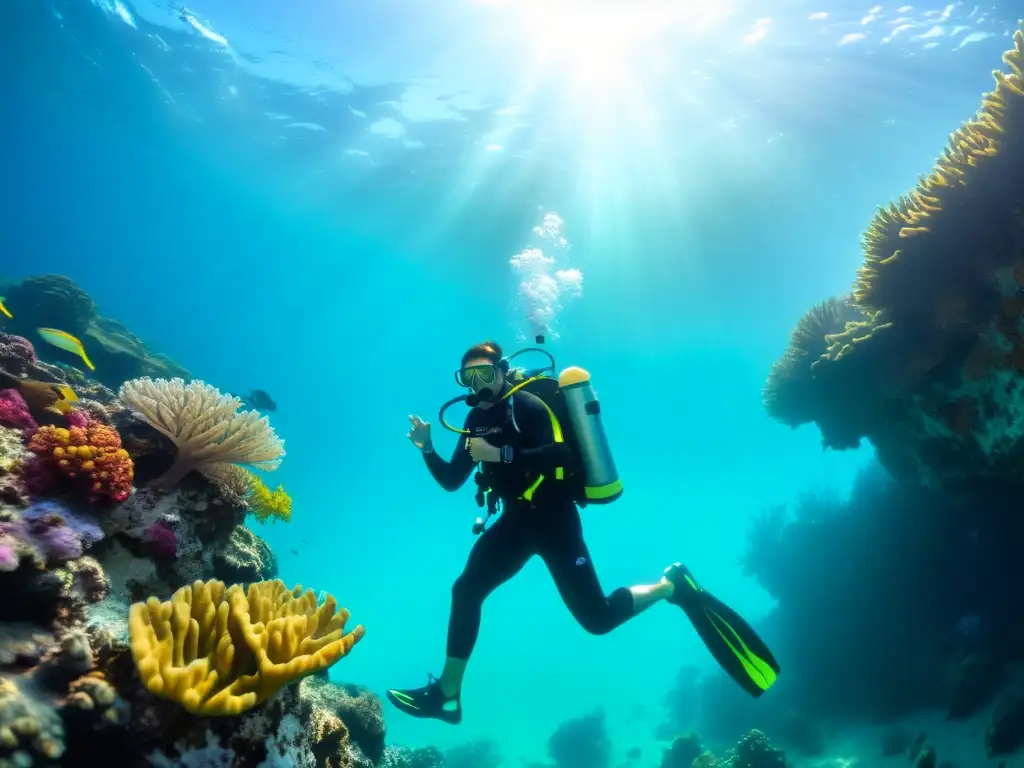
(549, 525)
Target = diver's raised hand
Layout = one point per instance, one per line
(419, 435)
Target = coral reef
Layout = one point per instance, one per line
(924, 359)
(55, 301)
(684, 750)
(582, 742)
(915, 639)
(220, 650)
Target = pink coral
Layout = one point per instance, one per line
(77, 418)
(14, 411)
(8, 556)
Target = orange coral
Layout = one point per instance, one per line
(93, 452)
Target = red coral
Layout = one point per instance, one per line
(14, 411)
(92, 453)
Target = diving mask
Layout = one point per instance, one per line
(476, 375)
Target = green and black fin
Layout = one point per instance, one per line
(732, 641)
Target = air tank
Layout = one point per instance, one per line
(601, 479)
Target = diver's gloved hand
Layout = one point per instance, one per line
(419, 435)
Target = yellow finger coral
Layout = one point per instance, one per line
(221, 651)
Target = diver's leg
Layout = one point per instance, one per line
(500, 552)
(564, 550)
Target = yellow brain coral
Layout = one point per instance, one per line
(220, 650)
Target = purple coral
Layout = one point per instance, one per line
(87, 529)
(77, 418)
(55, 540)
(14, 411)
(162, 540)
(17, 356)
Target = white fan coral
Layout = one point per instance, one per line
(205, 426)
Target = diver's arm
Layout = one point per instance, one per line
(450, 475)
(534, 423)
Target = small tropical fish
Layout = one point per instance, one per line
(41, 395)
(67, 342)
(3, 309)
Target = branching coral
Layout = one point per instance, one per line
(221, 651)
(92, 454)
(205, 426)
(266, 504)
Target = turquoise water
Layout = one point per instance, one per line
(323, 201)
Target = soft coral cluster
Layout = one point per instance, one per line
(92, 453)
(14, 412)
(42, 534)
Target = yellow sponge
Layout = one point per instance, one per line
(221, 651)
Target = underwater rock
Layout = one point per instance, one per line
(401, 757)
(358, 709)
(970, 686)
(582, 742)
(684, 750)
(56, 301)
(1005, 734)
(755, 751)
(483, 753)
(31, 731)
(244, 558)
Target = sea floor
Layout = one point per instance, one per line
(960, 743)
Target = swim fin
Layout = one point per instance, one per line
(733, 642)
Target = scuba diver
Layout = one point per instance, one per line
(542, 453)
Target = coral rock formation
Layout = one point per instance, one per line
(929, 370)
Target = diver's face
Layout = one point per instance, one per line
(480, 373)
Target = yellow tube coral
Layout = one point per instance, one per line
(220, 650)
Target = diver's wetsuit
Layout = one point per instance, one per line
(548, 526)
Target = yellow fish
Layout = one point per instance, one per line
(3, 309)
(67, 342)
(41, 395)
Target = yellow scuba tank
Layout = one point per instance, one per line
(601, 480)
